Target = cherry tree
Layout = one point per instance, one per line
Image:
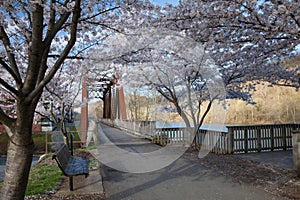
(59, 96)
(249, 39)
(36, 38)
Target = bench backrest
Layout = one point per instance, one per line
(63, 156)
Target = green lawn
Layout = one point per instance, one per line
(39, 143)
(43, 178)
(3, 144)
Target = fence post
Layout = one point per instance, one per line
(259, 146)
(160, 137)
(296, 150)
(246, 140)
(272, 138)
(231, 136)
(284, 137)
(46, 148)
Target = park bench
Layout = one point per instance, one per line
(70, 165)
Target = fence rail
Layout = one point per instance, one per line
(164, 136)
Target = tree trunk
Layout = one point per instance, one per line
(18, 164)
(19, 153)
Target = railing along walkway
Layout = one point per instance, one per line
(238, 138)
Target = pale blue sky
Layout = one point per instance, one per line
(163, 2)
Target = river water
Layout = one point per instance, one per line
(211, 127)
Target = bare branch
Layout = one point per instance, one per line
(9, 87)
(56, 28)
(11, 57)
(206, 112)
(10, 71)
(100, 13)
(67, 57)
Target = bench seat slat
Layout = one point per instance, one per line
(77, 166)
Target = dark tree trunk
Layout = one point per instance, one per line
(19, 154)
(17, 171)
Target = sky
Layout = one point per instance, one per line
(163, 2)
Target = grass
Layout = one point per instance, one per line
(43, 178)
(40, 139)
(3, 144)
(93, 164)
(89, 147)
(46, 177)
(39, 143)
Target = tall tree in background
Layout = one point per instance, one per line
(246, 38)
(58, 99)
